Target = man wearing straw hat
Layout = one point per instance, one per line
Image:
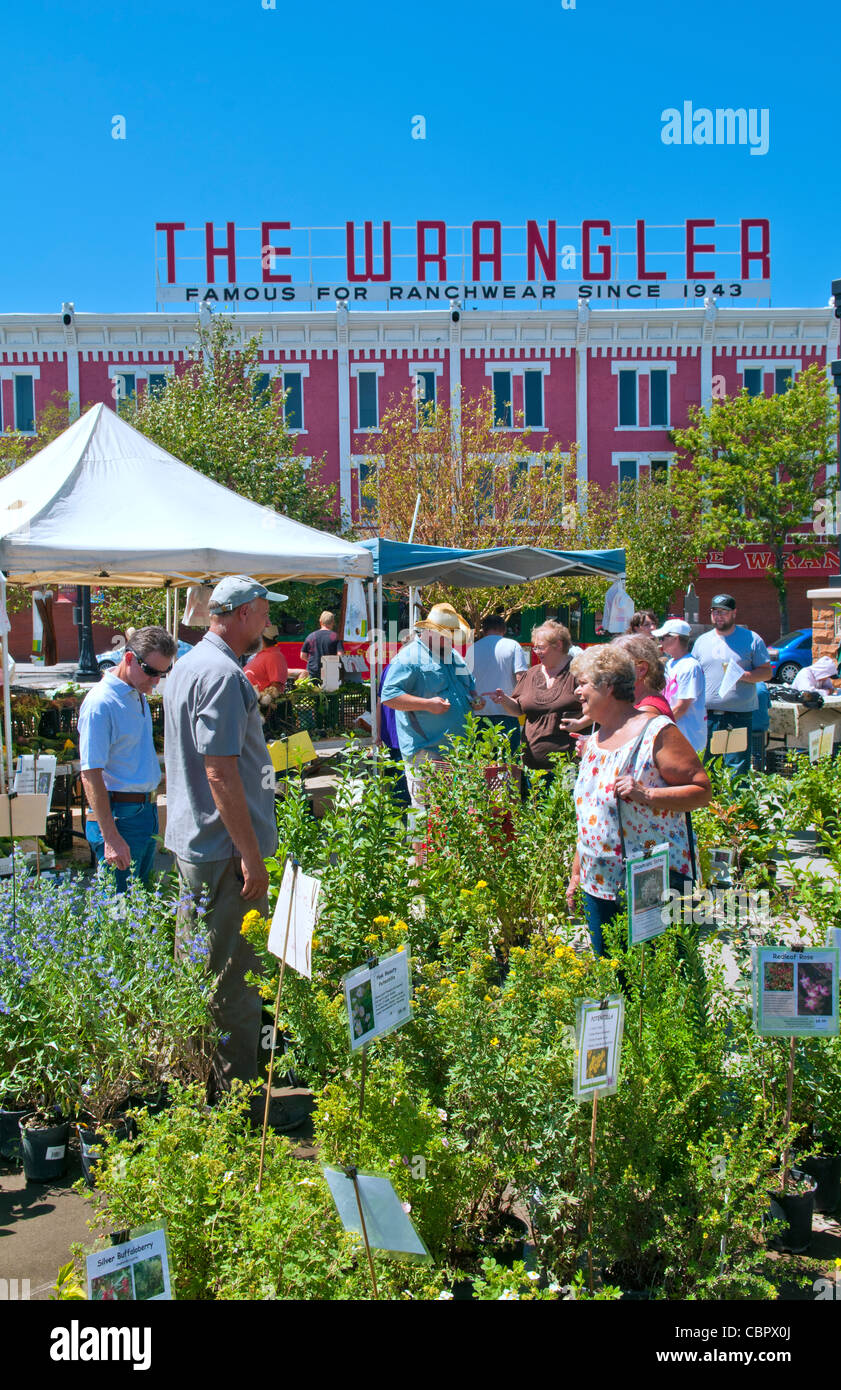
(431, 689)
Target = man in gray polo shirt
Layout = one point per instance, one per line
(220, 807)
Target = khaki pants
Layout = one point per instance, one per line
(235, 1007)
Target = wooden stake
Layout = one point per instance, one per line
(642, 978)
(590, 1203)
(355, 1182)
(364, 1073)
(37, 840)
(789, 1092)
(274, 1029)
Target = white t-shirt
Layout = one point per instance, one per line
(685, 681)
(495, 661)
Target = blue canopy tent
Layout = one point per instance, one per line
(404, 562)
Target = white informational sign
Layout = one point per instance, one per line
(795, 993)
(387, 1224)
(721, 864)
(35, 774)
(647, 889)
(598, 1046)
(377, 997)
(137, 1271)
(298, 903)
(815, 740)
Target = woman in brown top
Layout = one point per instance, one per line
(544, 694)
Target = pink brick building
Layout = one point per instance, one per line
(614, 380)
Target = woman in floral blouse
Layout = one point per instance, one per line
(643, 763)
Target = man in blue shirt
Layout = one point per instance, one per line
(120, 768)
(734, 661)
(432, 690)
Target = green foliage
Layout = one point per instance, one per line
(93, 1007)
(756, 464)
(196, 1169)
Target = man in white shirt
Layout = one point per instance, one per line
(686, 687)
(496, 661)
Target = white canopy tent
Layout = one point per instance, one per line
(103, 505)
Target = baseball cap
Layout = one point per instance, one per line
(236, 589)
(673, 627)
(723, 601)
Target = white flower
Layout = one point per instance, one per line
(407, 1207)
(507, 1295)
(554, 1288)
(442, 1114)
(531, 1274)
(445, 1293)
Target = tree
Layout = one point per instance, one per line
(655, 521)
(477, 489)
(755, 465)
(221, 416)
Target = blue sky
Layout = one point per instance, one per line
(303, 113)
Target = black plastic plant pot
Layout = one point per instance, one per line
(796, 1210)
(826, 1168)
(93, 1142)
(43, 1149)
(10, 1132)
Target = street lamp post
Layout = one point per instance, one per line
(88, 669)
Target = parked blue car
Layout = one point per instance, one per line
(791, 654)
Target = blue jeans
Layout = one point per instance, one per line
(730, 719)
(137, 822)
(599, 911)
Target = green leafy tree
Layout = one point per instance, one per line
(756, 463)
(655, 521)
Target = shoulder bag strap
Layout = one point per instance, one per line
(627, 768)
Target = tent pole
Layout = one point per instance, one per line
(175, 614)
(7, 699)
(168, 610)
(372, 668)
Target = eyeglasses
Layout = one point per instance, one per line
(146, 668)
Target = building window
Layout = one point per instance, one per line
(783, 377)
(660, 469)
(627, 470)
(125, 386)
(753, 381)
(659, 398)
(367, 484)
(293, 405)
(261, 388)
(533, 399)
(627, 398)
(366, 385)
(424, 393)
(501, 382)
(156, 383)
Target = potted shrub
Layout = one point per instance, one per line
(794, 1206)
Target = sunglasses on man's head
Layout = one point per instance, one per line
(146, 668)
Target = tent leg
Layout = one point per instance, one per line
(372, 668)
(7, 699)
(175, 614)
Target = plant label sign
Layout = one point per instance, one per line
(598, 1046)
(387, 1223)
(136, 1271)
(377, 998)
(298, 904)
(728, 741)
(721, 864)
(814, 744)
(647, 889)
(795, 993)
(35, 775)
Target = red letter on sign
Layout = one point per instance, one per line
(267, 251)
(170, 228)
(427, 257)
(227, 249)
(494, 256)
(368, 273)
(694, 249)
(587, 271)
(546, 255)
(763, 254)
(642, 273)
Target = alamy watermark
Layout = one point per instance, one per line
(725, 125)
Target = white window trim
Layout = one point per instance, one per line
(277, 369)
(415, 368)
(369, 460)
(378, 369)
(519, 367)
(768, 366)
(9, 374)
(643, 366)
(645, 369)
